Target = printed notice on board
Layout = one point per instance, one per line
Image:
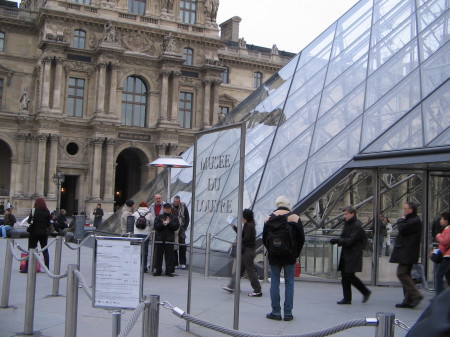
(118, 279)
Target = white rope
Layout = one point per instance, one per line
(46, 247)
(77, 246)
(11, 247)
(134, 316)
(43, 266)
(83, 284)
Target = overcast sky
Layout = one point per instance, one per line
(290, 24)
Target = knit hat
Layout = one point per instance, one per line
(283, 201)
(129, 203)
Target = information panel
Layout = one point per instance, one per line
(118, 273)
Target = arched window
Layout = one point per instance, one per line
(79, 39)
(188, 11)
(136, 6)
(188, 55)
(225, 76)
(134, 102)
(257, 79)
(2, 41)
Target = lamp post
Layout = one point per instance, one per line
(58, 179)
(169, 162)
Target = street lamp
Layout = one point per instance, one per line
(169, 162)
(58, 179)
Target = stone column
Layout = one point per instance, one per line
(164, 95)
(20, 163)
(47, 62)
(112, 92)
(215, 112)
(109, 170)
(206, 103)
(13, 186)
(175, 96)
(101, 87)
(57, 86)
(40, 166)
(96, 167)
(30, 162)
(52, 166)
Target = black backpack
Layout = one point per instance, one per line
(280, 239)
(141, 222)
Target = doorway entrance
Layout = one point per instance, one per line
(69, 200)
(5, 169)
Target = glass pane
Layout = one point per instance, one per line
(388, 22)
(391, 108)
(442, 140)
(406, 134)
(435, 36)
(251, 186)
(70, 106)
(430, 12)
(338, 118)
(344, 84)
(382, 7)
(436, 70)
(391, 73)
(392, 43)
(436, 112)
(332, 157)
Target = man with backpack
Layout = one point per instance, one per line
(143, 222)
(283, 237)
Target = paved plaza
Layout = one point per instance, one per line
(315, 305)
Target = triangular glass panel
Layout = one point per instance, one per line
(436, 112)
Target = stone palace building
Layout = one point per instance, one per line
(97, 89)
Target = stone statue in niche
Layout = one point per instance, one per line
(109, 34)
(168, 45)
(211, 8)
(275, 49)
(242, 43)
(24, 99)
(167, 5)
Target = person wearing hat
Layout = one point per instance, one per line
(285, 261)
(8, 222)
(144, 233)
(126, 212)
(166, 224)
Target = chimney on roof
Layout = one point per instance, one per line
(229, 30)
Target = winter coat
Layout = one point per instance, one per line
(9, 220)
(352, 241)
(248, 235)
(152, 209)
(183, 217)
(298, 234)
(126, 212)
(150, 218)
(166, 233)
(444, 241)
(39, 222)
(407, 244)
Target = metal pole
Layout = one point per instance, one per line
(71, 302)
(79, 254)
(169, 171)
(31, 292)
(57, 265)
(207, 254)
(93, 268)
(265, 266)
(386, 324)
(116, 316)
(58, 197)
(7, 274)
(150, 321)
(152, 251)
(376, 223)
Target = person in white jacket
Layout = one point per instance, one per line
(143, 210)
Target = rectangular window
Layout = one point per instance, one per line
(225, 77)
(185, 109)
(84, 2)
(224, 110)
(2, 41)
(1, 93)
(257, 79)
(79, 39)
(136, 6)
(188, 9)
(75, 97)
(188, 56)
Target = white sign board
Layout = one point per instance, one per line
(118, 273)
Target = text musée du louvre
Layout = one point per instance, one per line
(214, 184)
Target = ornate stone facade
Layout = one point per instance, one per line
(101, 88)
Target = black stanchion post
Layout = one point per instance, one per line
(7, 274)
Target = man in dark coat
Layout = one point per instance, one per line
(352, 240)
(406, 253)
(166, 224)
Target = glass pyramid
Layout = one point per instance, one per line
(377, 80)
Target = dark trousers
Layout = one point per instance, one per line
(349, 279)
(410, 291)
(145, 250)
(166, 251)
(180, 253)
(32, 243)
(443, 271)
(248, 265)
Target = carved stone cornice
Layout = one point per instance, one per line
(78, 66)
(42, 137)
(101, 65)
(54, 138)
(21, 137)
(165, 73)
(110, 142)
(96, 141)
(47, 59)
(161, 146)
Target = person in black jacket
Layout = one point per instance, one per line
(166, 224)
(248, 254)
(406, 253)
(39, 220)
(180, 210)
(286, 261)
(352, 240)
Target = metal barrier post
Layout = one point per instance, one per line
(7, 274)
(152, 251)
(150, 321)
(93, 269)
(265, 266)
(31, 292)
(386, 324)
(116, 316)
(57, 265)
(71, 302)
(207, 253)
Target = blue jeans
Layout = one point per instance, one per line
(443, 271)
(275, 271)
(4, 229)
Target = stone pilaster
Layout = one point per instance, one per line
(46, 75)
(164, 95)
(206, 103)
(40, 167)
(109, 170)
(113, 88)
(52, 166)
(215, 112)
(30, 162)
(20, 164)
(175, 96)
(57, 86)
(101, 71)
(96, 167)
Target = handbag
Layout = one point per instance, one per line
(23, 264)
(30, 221)
(437, 256)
